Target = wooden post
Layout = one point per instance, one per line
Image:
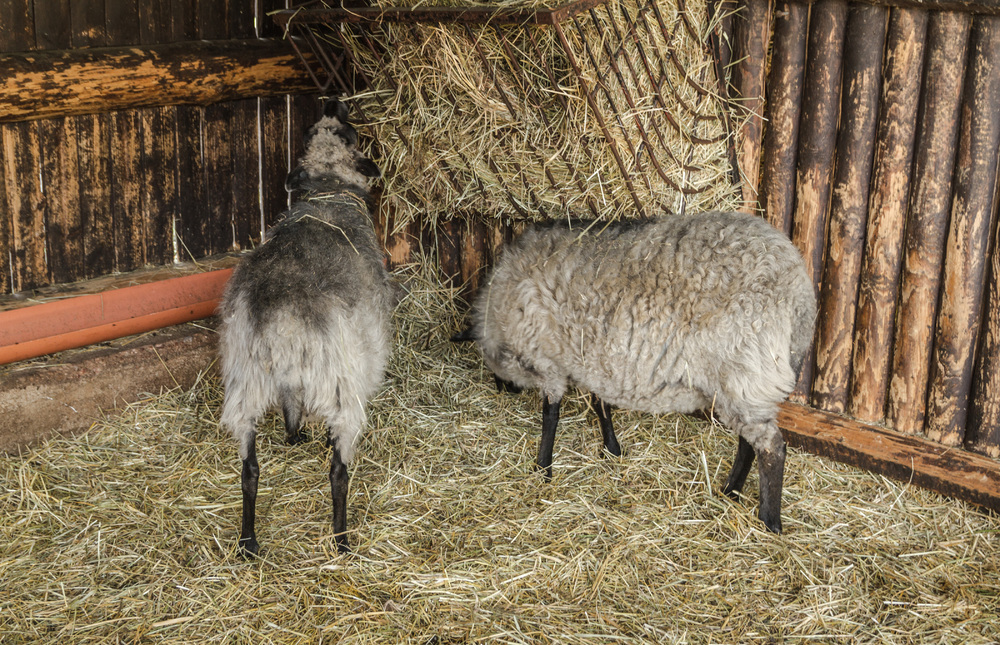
(784, 102)
(817, 139)
(849, 204)
(927, 221)
(753, 32)
(968, 238)
(890, 191)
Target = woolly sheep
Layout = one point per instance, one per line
(306, 316)
(678, 314)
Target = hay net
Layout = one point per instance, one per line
(609, 112)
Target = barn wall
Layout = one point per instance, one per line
(84, 196)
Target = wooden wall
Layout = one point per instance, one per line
(87, 195)
(880, 159)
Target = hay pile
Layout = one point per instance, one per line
(495, 121)
(126, 534)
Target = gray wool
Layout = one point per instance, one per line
(306, 316)
(707, 311)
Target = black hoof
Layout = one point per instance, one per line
(546, 472)
(249, 548)
(774, 526)
(614, 451)
(295, 439)
(732, 493)
(342, 545)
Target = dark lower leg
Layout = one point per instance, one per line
(249, 477)
(603, 411)
(550, 418)
(338, 491)
(771, 466)
(741, 468)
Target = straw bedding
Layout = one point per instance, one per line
(127, 533)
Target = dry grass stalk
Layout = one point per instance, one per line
(127, 534)
(496, 120)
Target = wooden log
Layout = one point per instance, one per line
(817, 140)
(752, 35)
(783, 106)
(927, 220)
(955, 473)
(865, 35)
(968, 238)
(46, 84)
(894, 145)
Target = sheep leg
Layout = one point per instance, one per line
(550, 418)
(251, 474)
(603, 411)
(741, 468)
(338, 491)
(771, 467)
(293, 422)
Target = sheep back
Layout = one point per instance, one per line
(673, 314)
(307, 315)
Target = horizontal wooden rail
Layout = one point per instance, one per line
(950, 471)
(53, 83)
(55, 326)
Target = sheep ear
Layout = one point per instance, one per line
(296, 178)
(336, 109)
(367, 167)
(465, 336)
(349, 134)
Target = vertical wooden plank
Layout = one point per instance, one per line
(784, 102)
(448, 238)
(52, 24)
(245, 174)
(862, 81)
(894, 145)
(753, 33)
(473, 256)
(274, 161)
(968, 238)
(817, 139)
(927, 220)
(24, 203)
(982, 433)
(126, 177)
(218, 158)
(61, 198)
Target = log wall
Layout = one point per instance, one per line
(889, 116)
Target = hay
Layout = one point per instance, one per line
(126, 534)
(496, 121)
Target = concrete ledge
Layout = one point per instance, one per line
(66, 393)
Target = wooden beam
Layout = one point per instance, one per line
(53, 83)
(956, 473)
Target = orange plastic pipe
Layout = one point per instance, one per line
(50, 327)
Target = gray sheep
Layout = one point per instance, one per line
(684, 313)
(306, 316)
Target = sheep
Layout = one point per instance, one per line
(711, 311)
(305, 318)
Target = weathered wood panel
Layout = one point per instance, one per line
(968, 238)
(784, 103)
(895, 142)
(865, 34)
(817, 140)
(927, 220)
